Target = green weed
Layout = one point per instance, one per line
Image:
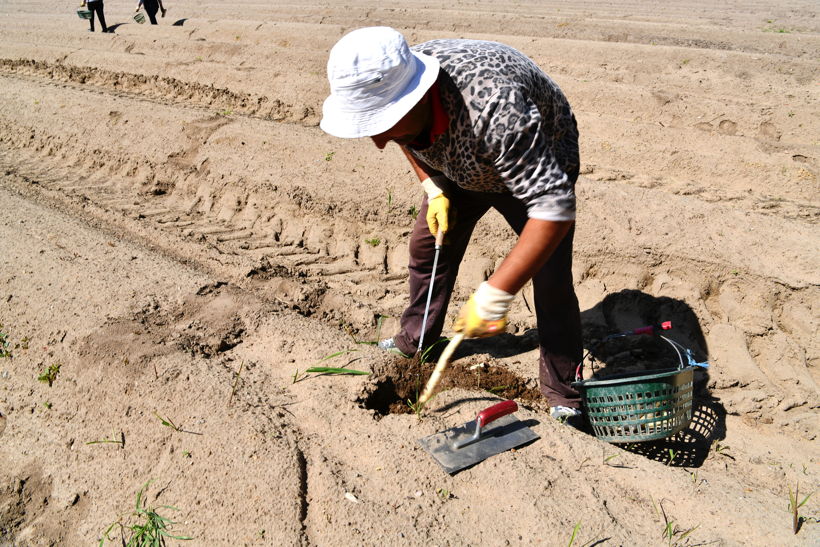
(722, 450)
(794, 507)
(329, 156)
(115, 439)
(672, 456)
(374, 242)
(416, 407)
(379, 320)
(47, 404)
(444, 494)
(425, 355)
(50, 374)
(168, 423)
(4, 343)
(151, 528)
(672, 533)
(413, 212)
(574, 533)
(418, 361)
(298, 376)
(332, 370)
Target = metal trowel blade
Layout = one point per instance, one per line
(503, 434)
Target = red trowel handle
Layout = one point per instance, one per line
(495, 412)
(666, 325)
(486, 416)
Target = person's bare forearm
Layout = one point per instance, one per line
(538, 241)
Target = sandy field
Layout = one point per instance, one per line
(180, 242)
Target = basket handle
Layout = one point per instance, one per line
(650, 329)
(684, 351)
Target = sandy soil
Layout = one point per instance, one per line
(181, 238)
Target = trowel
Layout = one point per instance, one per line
(493, 431)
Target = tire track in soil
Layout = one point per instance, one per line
(288, 269)
(159, 89)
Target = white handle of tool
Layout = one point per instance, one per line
(443, 361)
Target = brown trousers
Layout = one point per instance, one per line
(556, 306)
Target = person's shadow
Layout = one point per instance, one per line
(624, 311)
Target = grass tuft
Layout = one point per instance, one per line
(672, 533)
(151, 528)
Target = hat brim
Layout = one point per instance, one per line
(353, 125)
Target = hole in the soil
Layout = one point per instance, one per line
(391, 391)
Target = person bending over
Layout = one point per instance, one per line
(482, 127)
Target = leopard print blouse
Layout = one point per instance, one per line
(511, 128)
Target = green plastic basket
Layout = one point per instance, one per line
(628, 408)
(84, 14)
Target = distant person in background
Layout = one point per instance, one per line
(151, 8)
(96, 6)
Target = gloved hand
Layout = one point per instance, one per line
(438, 206)
(485, 313)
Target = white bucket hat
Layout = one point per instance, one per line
(375, 79)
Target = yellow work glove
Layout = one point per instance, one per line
(438, 206)
(485, 313)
